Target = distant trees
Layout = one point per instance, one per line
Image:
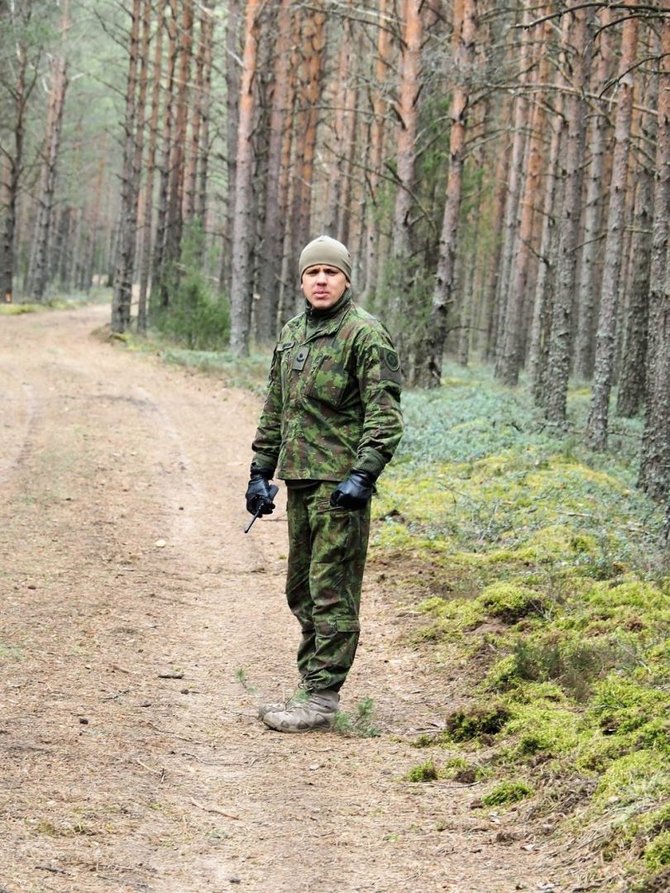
(498, 171)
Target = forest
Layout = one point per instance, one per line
(500, 173)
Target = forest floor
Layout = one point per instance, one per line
(140, 630)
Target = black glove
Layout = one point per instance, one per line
(354, 492)
(260, 494)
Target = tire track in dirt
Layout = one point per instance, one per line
(15, 438)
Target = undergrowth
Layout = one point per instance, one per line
(536, 566)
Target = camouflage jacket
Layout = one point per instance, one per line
(333, 400)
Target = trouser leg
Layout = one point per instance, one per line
(297, 577)
(327, 551)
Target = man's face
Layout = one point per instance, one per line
(323, 286)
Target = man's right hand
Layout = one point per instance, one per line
(259, 495)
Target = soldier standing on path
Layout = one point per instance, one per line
(330, 424)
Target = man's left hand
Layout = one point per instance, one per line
(354, 492)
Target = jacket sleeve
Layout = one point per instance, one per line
(267, 441)
(379, 381)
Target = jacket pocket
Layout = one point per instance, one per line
(327, 381)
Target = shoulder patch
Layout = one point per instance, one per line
(390, 365)
(391, 359)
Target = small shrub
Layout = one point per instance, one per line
(194, 316)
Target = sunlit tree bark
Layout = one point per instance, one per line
(378, 102)
(240, 289)
(274, 225)
(311, 79)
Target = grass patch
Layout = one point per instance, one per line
(360, 724)
(249, 373)
(423, 772)
(534, 567)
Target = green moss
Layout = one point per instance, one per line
(454, 615)
(478, 722)
(621, 705)
(657, 852)
(510, 602)
(507, 792)
(641, 778)
(544, 587)
(18, 309)
(542, 727)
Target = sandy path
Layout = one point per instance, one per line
(140, 628)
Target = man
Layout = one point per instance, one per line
(330, 424)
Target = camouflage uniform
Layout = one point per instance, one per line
(333, 405)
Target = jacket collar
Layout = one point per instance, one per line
(325, 322)
(316, 317)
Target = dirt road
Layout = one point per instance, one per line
(141, 628)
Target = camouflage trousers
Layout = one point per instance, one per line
(327, 550)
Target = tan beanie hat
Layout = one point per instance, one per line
(326, 251)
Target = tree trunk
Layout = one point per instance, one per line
(463, 40)
(654, 476)
(514, 252)
(159, 261)
(274, 224)
(599, 129)
(198, 136)
(558, 362)
(150, 167)
(38, 278)
(207, 37)
(534, 182)
(132, 155)
(378, 103)
(312, 70)
(401, 274)
(12, 168)
(175, 217)
(240, 290)
(597, 424)
(233, 90)
(538, 349)
(631, 392)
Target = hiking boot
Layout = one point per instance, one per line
(317, 712)
(300, 696)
